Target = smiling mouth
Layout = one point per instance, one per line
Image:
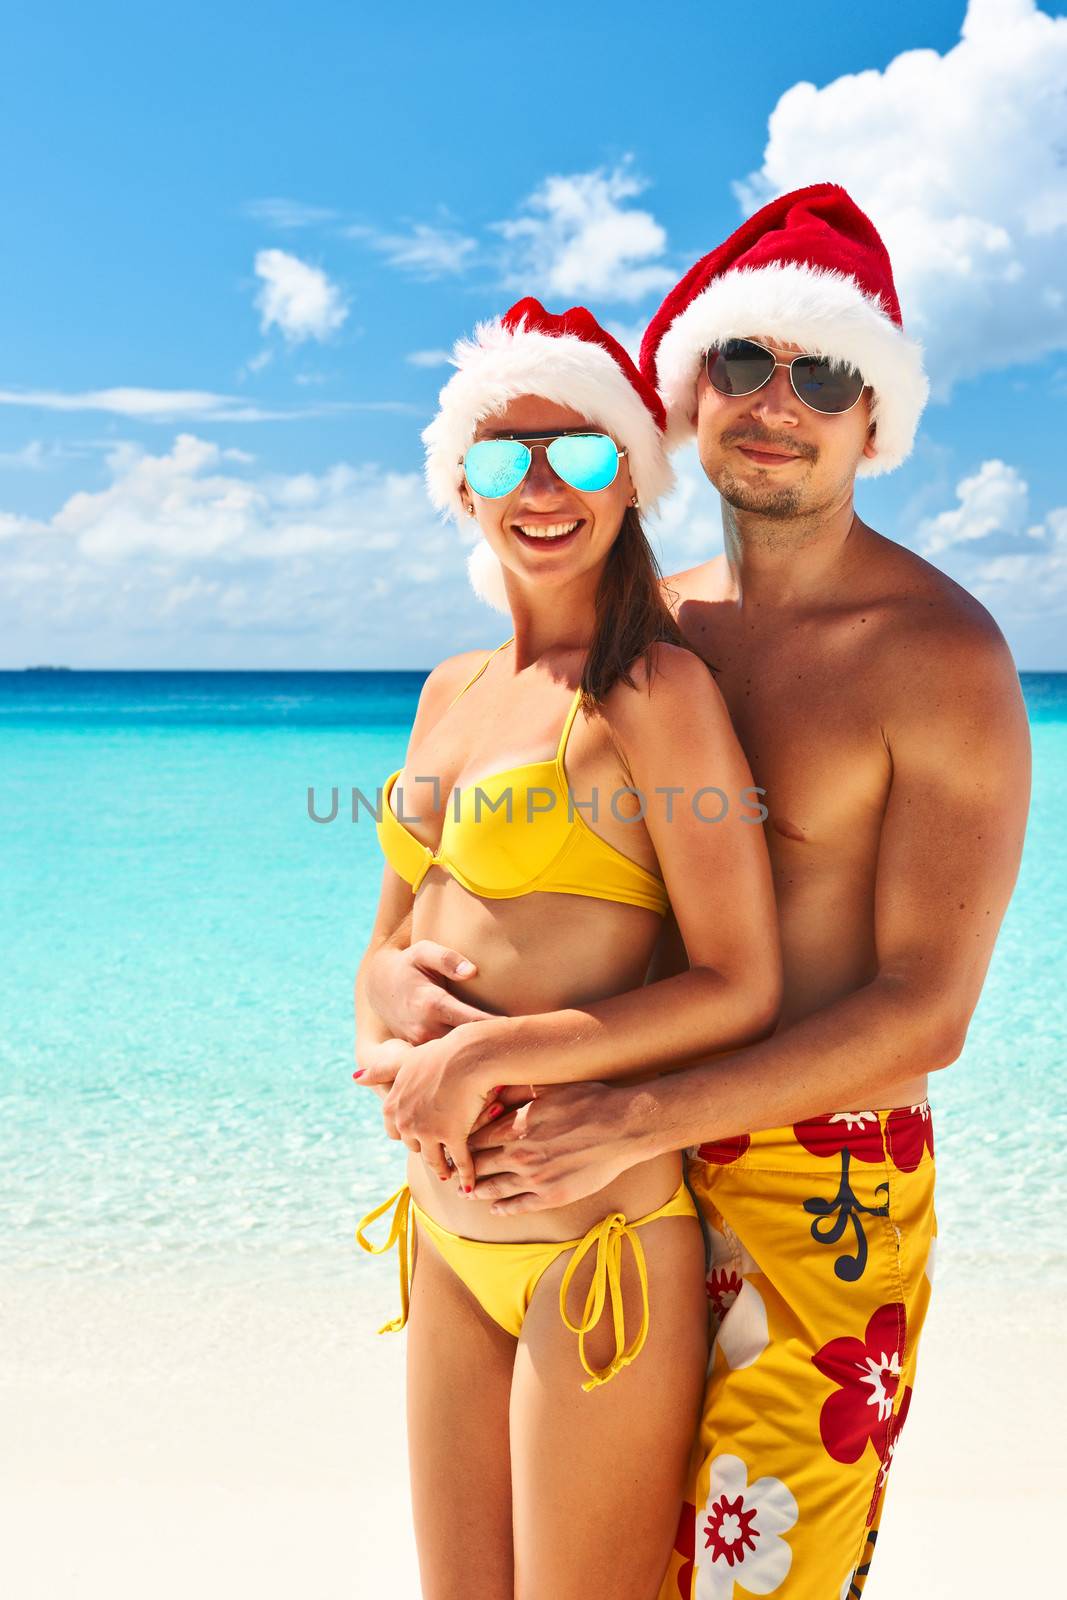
(766, 458)
(546, 534)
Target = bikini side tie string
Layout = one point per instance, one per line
(607, 1236)
(401, 1233)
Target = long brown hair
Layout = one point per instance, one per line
(632, 613)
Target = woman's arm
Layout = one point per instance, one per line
(371, 1031)
(674, 734)
(375, 1045)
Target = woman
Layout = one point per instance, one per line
(530, 823)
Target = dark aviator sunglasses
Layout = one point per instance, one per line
(742, 366)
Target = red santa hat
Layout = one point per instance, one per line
(808, 269)
(568, 359)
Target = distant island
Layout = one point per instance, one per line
(48, 669)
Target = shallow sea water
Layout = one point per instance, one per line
(177, 947)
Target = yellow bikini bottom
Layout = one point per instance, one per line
(502, 1276)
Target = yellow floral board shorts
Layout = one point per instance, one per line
(821, 1243)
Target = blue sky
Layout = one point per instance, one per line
(238, 238)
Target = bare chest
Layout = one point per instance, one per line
(806, 716)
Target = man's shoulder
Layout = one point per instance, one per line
(928, 612)
(939, 644)
(706, 581)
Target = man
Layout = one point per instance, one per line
(882, 717)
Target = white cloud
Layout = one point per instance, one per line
(989, 542)
(279, 212)
(992, 503)
(580, 238)
(257, 362)
(428, 358)
(427, 250)
(297, 298)
(959, 160)
(1026, 585)
(190, 502)
(180, 405)
(32, 457)
(197, 542)
(149, 404)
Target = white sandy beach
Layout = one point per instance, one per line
(250, 1442)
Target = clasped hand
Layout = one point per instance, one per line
(550, 1146)
(434, 1100)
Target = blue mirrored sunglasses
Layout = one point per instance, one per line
(585, 461)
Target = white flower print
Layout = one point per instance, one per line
(931, 1259)
(743, 1334)
(874, 1372)
(854, 1119)
(740, 1315)
(739, 1533)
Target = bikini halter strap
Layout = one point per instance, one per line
(474, 678)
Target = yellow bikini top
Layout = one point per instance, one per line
(500, 852)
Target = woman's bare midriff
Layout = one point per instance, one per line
(540, 952)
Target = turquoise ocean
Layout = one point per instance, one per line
(177, 947)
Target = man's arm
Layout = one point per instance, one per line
(949, 855)
(404, 984)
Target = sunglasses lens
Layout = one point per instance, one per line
(740, 367)
(587, 461)
(825, 387)
(494, 467)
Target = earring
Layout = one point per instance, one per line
(634, 501)
(470, 511)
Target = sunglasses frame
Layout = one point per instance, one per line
(789, 365)
(542, 442)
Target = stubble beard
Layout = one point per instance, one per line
(770, 517)
(776, 504)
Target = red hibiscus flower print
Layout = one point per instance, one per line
(858, 1132)
(867, 1372)
(909, 1133)
(896, 1427)
(724, 1286)
(728, 1531)
(721, 1152)
(685, 1544)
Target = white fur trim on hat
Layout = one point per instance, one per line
(824, 312)
(499, 365)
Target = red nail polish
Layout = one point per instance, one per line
(466, 1188)
(360, 1073)
(495, 1111)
